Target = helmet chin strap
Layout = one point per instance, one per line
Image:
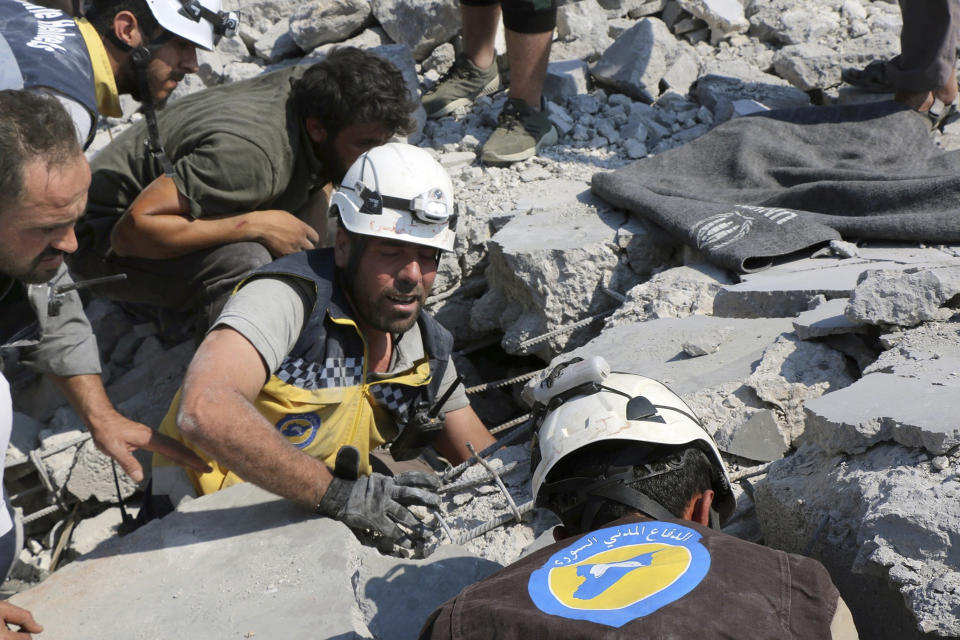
(140, 59)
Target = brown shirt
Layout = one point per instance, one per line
(641, 578)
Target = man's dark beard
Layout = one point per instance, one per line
(333, 166)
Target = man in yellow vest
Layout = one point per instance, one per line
(323, 356)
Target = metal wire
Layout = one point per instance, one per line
(525, 344)
(490, 525)
(502, 383)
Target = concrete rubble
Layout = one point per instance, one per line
(840, 367)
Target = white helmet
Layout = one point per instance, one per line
(199, 21)
(630, 408)
(398, 191)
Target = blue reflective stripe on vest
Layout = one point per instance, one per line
(49, 51)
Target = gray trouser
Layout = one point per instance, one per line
(928, 45)
(198, 282)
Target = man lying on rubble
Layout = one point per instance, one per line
(130, 47)
(251, 167)
(43, 186)
(340, 360)
(641, 490)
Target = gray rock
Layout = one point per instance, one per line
(419, 24)
(877, 520)
(652, 348)
(440, 59)
(786, 290)
(276, 43)
(585, 21)
(321, 21)
(758, 438)
(826, 319)
(637, 60)
(181, 565)
(905, 297)
(793, 372)
(560, 117)
(236, 71)
(24, 438)
(724, 17)
(706, 344)
(682, 71)
(546, 268)
(566, 78)
(718, 92)
(673, 293)
(785, 22)
(808, 66)
(882, 407)
(260, 15)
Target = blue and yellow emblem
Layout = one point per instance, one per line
(618, 574)
(299, 428)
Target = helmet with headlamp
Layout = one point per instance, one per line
(198, 21)
(401, 192)
(583, 403)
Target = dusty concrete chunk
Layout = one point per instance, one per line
(707, 343)
(287, 574)
(673, 293)
(724, 17)
(566, 78)
(786, 290)
(808, 66)
(276, 43)
(419, 24)
(651, 349)
(906, 297)
(881, 407)
(636, 61)
(825, 319)
(321, 21)
(547, 268)
(758, 438)
(792, 372)
(882, 522)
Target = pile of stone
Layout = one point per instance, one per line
(840, 369)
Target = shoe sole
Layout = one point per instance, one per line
(549, 138)
(492, 87)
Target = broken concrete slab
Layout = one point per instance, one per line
(707, 343)
(548, 268)
(637, 60)
(672, 293)
(883, 523)
(786, 289)
(724, 17)
(906, 297)
(655, 349)
(792, 372)
(244, 563)
(758, 438)
(826, 319)
(881, 407)
(422, 25)
(322, 21)
(929, 352)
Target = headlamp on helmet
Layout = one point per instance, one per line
(225, 23)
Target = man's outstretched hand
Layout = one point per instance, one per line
(377, 502)
(118, 437)
(13, 615)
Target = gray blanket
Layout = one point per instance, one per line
(757, 188)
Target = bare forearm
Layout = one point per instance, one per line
(86, 395)
(229, 429)
(459, 428)
(163, 236)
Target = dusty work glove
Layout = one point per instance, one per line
(377, 502)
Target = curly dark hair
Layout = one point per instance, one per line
(32, 125)
(350, 86)
(101, 12)
(673, 476)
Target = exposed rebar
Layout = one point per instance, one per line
(493, 473)
(490, 525)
